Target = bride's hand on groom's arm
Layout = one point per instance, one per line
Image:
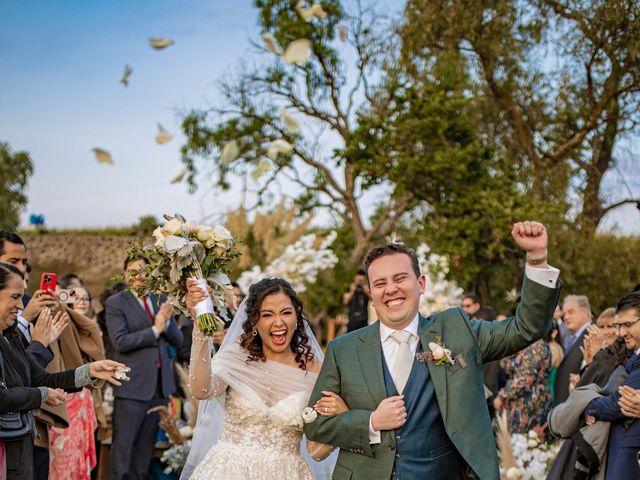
(330, 404)
(390, 414)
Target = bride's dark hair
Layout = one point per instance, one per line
(253, 343)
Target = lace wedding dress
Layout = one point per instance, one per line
(252, 425)
(258, 441)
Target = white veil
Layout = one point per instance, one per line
(208, 430)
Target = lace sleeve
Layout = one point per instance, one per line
(202, 382)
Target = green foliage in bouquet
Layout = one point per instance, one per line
(183, 249)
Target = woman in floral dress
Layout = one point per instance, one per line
(526, 396)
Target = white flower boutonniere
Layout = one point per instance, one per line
(309, 415)
(439, 355)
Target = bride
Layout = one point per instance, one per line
(259, 382)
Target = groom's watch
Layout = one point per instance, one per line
(537, 261)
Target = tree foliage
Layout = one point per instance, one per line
(323, 94)
(15, 170)
(558, 80)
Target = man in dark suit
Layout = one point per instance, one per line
(140, 329)
(624, 437)
(418, 410)
(576, 314)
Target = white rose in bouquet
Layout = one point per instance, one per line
(158, 234)
(204, 233)
(174, 227)
(221, 235)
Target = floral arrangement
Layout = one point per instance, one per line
(440, 293)
(299, 264)
(175, 457)
(438, 354)
(523, 457)
(183, 249)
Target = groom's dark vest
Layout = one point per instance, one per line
(423, 448)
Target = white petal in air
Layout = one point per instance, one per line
(277, 147)
(290, 122)
(318, 12)
(125, 76)
(307, 14)
(229, 152)
(298, 52)
(102, 156)
(263, 167)
(304, 12)
(342, 33)
(163, 136)
(179, 177)
(270, 43)
(159, 43)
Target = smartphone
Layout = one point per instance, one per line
(48, 282)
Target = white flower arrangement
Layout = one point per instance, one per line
(299, 264)
(440, 293)
(533, 457)
(175, 457)
(183, 249)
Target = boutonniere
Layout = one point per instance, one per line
(438, 354)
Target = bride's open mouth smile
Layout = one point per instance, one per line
(279, 337)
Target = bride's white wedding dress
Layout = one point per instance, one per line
(252, 425)
(258, 441)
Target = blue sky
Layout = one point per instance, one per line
(60, 96)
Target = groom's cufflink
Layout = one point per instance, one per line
(461, 361)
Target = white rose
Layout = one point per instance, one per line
(309, 415)
(204, 233)
(437, 350)
(158, 234)
(514, 473)
(222, 233)
(174, 227)
(191, 227)
(532, 443)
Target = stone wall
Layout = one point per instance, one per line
(95, 258)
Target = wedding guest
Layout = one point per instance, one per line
(557, 354)
(470, 303)
(140, 328)
(82, 303)
(576, 314)
(72, 450)
(357, 301)
(28, 385)
(624, 436)
(526, 396)
(70, 280)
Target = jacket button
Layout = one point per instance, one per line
(397, 437)
(392, 447)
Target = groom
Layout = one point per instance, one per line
(412, 416)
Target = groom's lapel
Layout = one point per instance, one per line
(370, 356)
(428, 330)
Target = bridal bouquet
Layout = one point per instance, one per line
(183, 249)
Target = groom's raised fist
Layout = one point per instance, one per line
(532, 237)
(390, 414)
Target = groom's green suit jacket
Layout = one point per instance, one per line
(353, 369)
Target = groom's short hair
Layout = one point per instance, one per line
(391, 249)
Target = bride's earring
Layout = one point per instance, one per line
(255, 332)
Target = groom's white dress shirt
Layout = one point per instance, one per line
(547, 277)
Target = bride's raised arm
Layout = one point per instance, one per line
(202, 382)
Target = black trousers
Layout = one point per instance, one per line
(41, 462)
(134, 436)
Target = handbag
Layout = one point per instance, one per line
(13, 425)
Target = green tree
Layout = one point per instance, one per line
(15, 170)
(559, 82)
(323, 95)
